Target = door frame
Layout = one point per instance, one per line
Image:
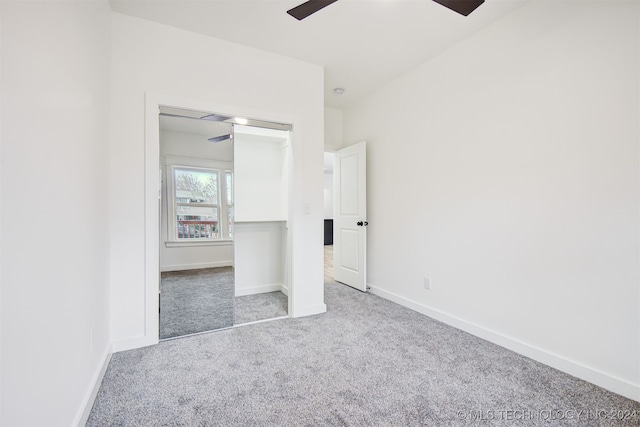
(152, 200)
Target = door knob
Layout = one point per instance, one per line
(362, 223)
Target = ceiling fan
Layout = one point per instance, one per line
(463, 7)
(197, 115)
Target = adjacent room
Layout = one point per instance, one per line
(468, 253)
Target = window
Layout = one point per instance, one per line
(201, 200)
(229, 191)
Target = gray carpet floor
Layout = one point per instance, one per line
(193, 301)
(367, 361)
(251, 308)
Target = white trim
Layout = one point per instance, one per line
(135, 342)
(599, 378)
(196, 242)
(179, 267)
(96, 382)
(262, 289)
(310, 310)
(152, 209)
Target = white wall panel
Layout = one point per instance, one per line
(506, 169)
(259, 254)
(55, 208)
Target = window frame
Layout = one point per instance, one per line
(221, 169)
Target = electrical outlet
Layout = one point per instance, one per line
(427, 283)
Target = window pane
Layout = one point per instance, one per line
(196, 186)
(230, 220)
(197, 222)
(229, 178)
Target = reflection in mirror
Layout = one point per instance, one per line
(223, 222)
(197, 287)
(260, 220)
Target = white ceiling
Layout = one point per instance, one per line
(362, 44)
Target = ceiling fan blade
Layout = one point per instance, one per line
(309, 7)
(215, 117)
(463, 7)
(221, 138)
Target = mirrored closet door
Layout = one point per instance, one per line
(224, 209)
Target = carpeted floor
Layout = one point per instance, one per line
(367, 361)
(251, 308)
(193, 301)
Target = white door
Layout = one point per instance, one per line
(350, 216)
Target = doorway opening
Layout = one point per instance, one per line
(346, 203)
(328, 217)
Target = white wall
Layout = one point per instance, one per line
(261, 209)
(194, 148)
(513, 183)
(1, 161)
(153, 58)
(333, 129)
(55, 222)
(261, 181)
(260, 249)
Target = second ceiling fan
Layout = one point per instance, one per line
(463, 7)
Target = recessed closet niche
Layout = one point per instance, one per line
(261, 209)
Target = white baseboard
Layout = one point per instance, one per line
(87, 404)
(180, 267)
(132, 343)
(274, 287)
(310, 310)
(611, 383)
